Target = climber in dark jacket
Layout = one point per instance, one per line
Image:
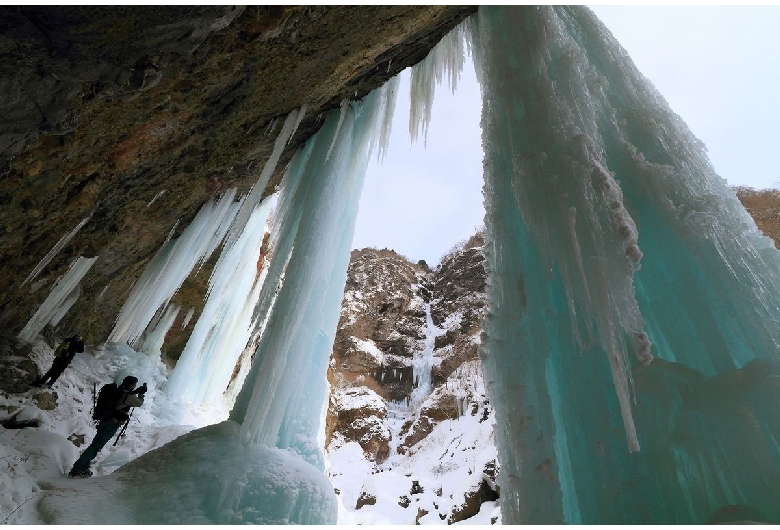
(63, 355)
(126, 396)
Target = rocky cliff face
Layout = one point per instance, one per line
(404, 367)
(764, 207)
(128, 118)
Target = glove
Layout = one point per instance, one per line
(141, 390)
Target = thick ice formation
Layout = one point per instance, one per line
(224, 327)
(185, 482)
(611, 235)
(282, 401)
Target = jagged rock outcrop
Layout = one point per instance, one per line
(19, 370)
(460, 295)
(382, 325)
(131, 117)
(762, 205)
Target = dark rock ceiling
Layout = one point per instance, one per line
(105, 107)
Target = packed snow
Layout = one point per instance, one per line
(447, 465)
(178, 483)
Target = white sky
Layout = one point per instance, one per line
(717, 66)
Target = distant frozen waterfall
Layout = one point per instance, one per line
(422, 361)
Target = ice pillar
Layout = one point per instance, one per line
(281, 401)
(610, 234)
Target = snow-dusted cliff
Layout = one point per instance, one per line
(409, 426)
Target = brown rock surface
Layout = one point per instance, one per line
(106, 107)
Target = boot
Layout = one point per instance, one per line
(80, 473)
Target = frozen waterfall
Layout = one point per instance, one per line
(631, 343)
(281, 402)
(611, 236)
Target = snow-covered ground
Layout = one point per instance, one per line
(34, 488)
(446, 464)
(441, 464)
(35, 461)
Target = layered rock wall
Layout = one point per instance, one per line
(382, 326)
(131, 117)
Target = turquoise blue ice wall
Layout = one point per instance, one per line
(631, 346)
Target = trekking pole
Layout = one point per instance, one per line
(94, 398)
(124, 428)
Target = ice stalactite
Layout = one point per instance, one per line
(255, 195)
(153, 340)
(446, 59)
(187, 317)
(63, 295)
(54, 250)
(281, 401)
(175, 260)
(610, 235)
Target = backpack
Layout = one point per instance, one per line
(105, 407)
(62, 349)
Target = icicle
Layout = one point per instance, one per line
(159, 194)
(54, 250)
(58, 299)
(256, 193)
(187, 317)
(66, 305)
(344, 106)
(298, 120)
(154, 339)
(102, 292)
(445, 59)
(171, 265)
(387, 122)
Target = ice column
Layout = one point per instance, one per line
(281, 401)
(610, 234)
(63, 295)
(225, 325)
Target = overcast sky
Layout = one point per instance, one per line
(717, 66)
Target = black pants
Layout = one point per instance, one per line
(106, 429)
(57, 367)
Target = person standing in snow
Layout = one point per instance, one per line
(110, 417)
(63, 355)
